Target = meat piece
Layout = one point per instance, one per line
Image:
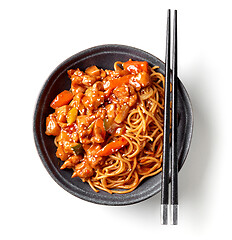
(61, 113)
(64, 136)
(91, 152)
(112, 73)
(77, 103)
(83, 170)
(98, 86)
(93, 71)
(71, 162)
(93, 98)
(69, 133)
(94, 161)
(142, 79)
(84, 121)
(67, 146)
(72, 73)
(52, 127)
(136, 66)
(111, 110)
(84, 129)
(103, 74)
(88, 80)
(76, 86)
(125, 94)
(60, 153)
(101, 113)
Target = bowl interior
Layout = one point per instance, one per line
(104, 57)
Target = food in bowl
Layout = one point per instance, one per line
(108, 127)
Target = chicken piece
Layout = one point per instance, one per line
(84, 121)
(52, 127)
(111, 110)
(94, 161)
(90, 155)
(63, 136)
(125, 94)
(112, 73)
(60, 153)
(142, 79)
(69, 133)
(77, 103)
(133, 96)
(103, 74)
(76, 86)
(88, 80)
(93, 71)
(98, 86)
(72, 73)
(72, 161)
(67, 146)
(101, 113)
(93, 98)
(84, 129)
(83, 170)
(61, 113)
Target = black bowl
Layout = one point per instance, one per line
(104, 57)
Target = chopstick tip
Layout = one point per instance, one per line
(164, 214)
(174, 213)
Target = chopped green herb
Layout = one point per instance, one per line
(78, 149)
(104, 123)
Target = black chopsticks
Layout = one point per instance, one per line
(166, 139)
(165, 171)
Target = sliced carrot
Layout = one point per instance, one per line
(110, 85)
(112, 147)
(136, 66)
(61, 99)
(99, 126)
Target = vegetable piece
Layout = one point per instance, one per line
(78, 149)
(112, 147)
(72, 115)
(136, 66)
(99, 128)
(113, 128)
(61, 99)
(105, 123)
(116, 82)
(108, 123)
(91, 125)
(122, 114)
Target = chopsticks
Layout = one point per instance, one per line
(174, 207)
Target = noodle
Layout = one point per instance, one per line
(123, 169)
(142, 124)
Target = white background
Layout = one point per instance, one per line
(36, 36)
